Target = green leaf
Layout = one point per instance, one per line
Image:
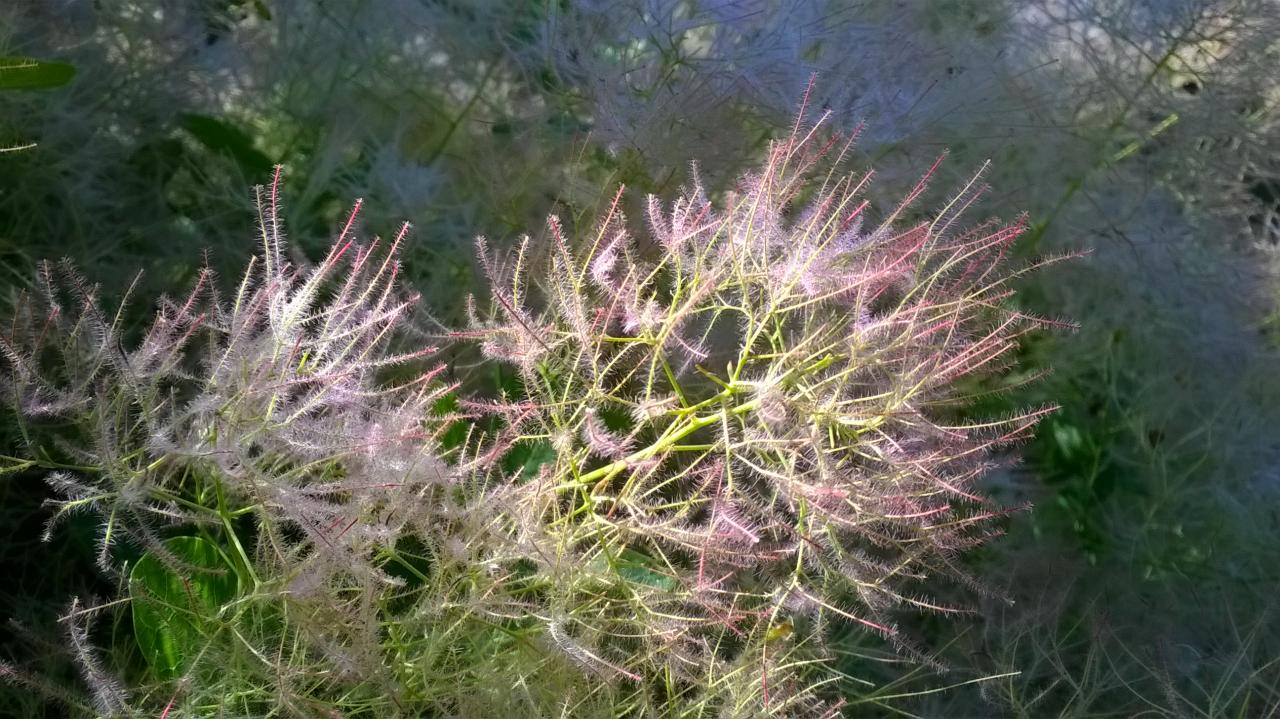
(225, 138)
(159, 160)
(637, 568)
(27, 73)
(1069, 438)
(527, 458)
(175, 613)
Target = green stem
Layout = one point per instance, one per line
(233, 539)
(1032, 243)
(393, 554)
(457, 121)
(44, 464)
(667, 441)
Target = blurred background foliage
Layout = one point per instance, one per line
(1141, 134)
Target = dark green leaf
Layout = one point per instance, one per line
(527, 457)
(174, 612)
(1069, 438)
(639, 568)
(225, 138)
(26, 73)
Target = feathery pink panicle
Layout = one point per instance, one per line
(786, 369)
(778, 373)
(600, 440)
(276, 396)
(109, 697)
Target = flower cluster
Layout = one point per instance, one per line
(723, 441)
(752, 416)
(278, 421)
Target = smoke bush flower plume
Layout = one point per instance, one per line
(754, 432)
(731, 438)
(286, 385)
(269, 405)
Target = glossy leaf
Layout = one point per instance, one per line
(225, 138)
(26, 73)
(637, 568)
(526, 458)
(174, 611)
